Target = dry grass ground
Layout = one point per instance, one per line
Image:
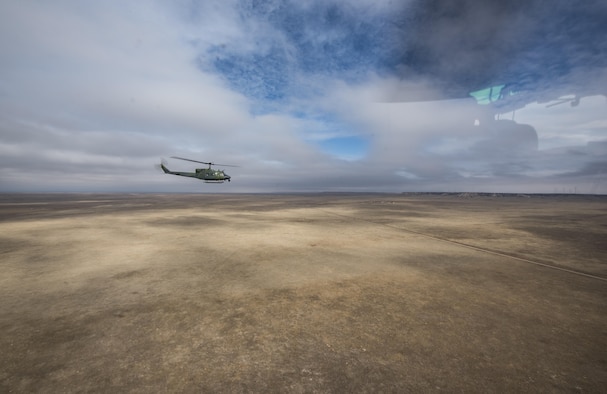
(302, 293)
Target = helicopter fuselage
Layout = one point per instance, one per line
(209, 175)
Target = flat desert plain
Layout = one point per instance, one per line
(303, 293)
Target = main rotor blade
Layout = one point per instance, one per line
(223, 165)
(195, 161)
(203, 162)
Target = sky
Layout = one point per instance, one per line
(304, 95)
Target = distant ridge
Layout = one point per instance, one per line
(485, 194)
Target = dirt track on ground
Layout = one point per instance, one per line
(303, 293)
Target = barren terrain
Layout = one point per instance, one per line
(303, 293)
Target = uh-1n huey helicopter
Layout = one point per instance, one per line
(209, 175)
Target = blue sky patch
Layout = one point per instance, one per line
(346, 148)
(303, 41)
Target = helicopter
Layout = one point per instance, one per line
(208, 175)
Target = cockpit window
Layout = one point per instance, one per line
(488, 95)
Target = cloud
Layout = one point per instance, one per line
(465, 44)
(304, 96)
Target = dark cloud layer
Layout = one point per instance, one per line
(465, 45)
